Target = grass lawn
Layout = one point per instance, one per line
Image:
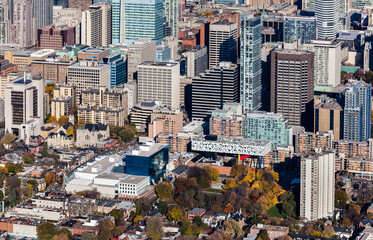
(214, 190)
(275, 212)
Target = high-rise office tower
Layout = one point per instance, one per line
(171, 12)
(24, 105)
(118, 69)
(96, 25)
(56, 36)
(210, 90)
(292, 86)
(357, 111)
(22, 30)
(88, 74)
(303, 28)
(159, 81)
(223, 43)
(317, 186)
(197, 61)
(143, 19)
(359, 4)
(4, 22)
(43, 13)
(328, 116)
(327, 62)
(117, 21)
(251, 64)
(327, 18)
(140, 51)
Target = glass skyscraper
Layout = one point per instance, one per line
(251, 63)
(303, 28)
(357, 111)
(143, 19)
(118, 69)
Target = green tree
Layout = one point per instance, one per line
(45, 230)
(1, 195)
(14, 167)
(28, 158)
(263, 235)
(142, 206)
(164, 190)
(64, 231)
(341, 199)
(162, 207)
(88, 236)
(104, 229)
(154, 228)
(44, 152)
(116, 213)
(34, 184)
(233, 228)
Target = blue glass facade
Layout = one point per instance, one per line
(153, 165)
(357, 111)
(163, 54)
(303, 28)
(144, 19)
(118, 69)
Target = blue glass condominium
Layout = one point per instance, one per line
(357, 111)
(143, 19)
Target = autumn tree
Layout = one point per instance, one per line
(63, 120)
(49, 178)
(104, 229)
(52, 119)
(28, 158)
(45, 230)
(88, 236)
(233, 228)
(164, 190)
(175, 214)
(214, 173)
(70, 130)
(154, 228)
(8, 138)
(119, 230)
(239, 171)
(14, 167)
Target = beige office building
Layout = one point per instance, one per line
(63, 101)
(159, 81)
(140, 51)
(88, 74)
(72, 17)
(96, 25)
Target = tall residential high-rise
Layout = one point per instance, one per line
(197, 61)
(292, 86)
(143, 19)
(251, 64)
(327, 62)
(159, 81)
(43, 13)
(4, 22)
(327, 18)
(210, 90)
(303, 28)
(357, 111)
(96, 25)
(228, 122)
(222, 43)
(317, 186)
(171, 12)
(22, 30)
(24, 106)
(269, 126)
(141, 50)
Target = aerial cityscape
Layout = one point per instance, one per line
(186, 119)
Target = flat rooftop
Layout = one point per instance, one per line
(159, 64)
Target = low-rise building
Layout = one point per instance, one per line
(91, 134)
(274, 232)
(165, 121)
(60, 140)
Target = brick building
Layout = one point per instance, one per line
(56, 36)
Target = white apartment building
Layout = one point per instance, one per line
(327, 62)
(88, 74)
(159, 81)
(24, 100)
(96, 25)
(140, 51)
(317, 186)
